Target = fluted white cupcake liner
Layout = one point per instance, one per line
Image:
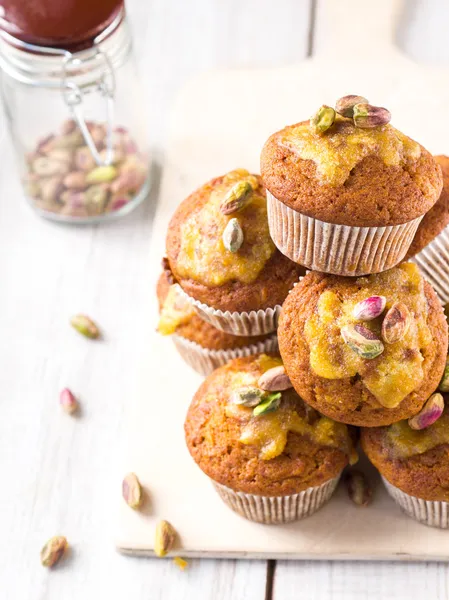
(251, 323)
(337, 249)
(433, 262)
(204, 361)
(273, 510)
(432, 513)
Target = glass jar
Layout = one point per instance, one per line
(77, 123)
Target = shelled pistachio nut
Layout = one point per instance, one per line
(102, 174)
(75, 180)
(323, 119)
(47, 167)
(345, 106)
(359, 489)
(96, 198)
(370, 308)
(233, 236)
(247, 396)
(53, 551)
(84, 161)
(164, 539)
(68, 401)
(50, 189)
(275, 380)
(367, 116)
(85, 326)
(132, 490)
(396, 323)
(237, 198)
(431, 412)
(362, 341)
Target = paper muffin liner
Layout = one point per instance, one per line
(337, 249)
(433, 262)
(204, 361)
(251, 323)
(273, 510)
(432, 513)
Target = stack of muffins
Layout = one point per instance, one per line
(310, 256)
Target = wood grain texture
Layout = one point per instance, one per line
(59, 475)
(360, 581)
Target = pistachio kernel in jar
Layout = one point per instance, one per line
(62, 164)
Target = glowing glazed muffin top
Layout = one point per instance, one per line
(203, 255)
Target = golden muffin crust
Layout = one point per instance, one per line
(202, 333)
(374, 193)
(268, 278)
(437, 218)
(403, 376)
(214, 427)
(421, 474)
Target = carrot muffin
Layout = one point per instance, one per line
(272, 458)
(221, 254)
(201, 345)
(346, 191)
(430, 246)
(414, 463)
(366, 351)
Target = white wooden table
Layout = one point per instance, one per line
(59, 475)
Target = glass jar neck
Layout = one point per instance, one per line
(50, 67)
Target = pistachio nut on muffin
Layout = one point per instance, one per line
(346, 190)
(366, 351)
(202, 346)
(430, 246)
(221, 254)
(413, 458)
(271, 458)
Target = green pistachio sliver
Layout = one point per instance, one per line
(269, 403)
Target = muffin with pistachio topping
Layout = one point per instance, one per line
(366, 351)
(430, 246)
(413, 459)
(346, 191)
(221, 254)
(272, 458)
(202, 346)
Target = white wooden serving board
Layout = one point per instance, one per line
(219, 123)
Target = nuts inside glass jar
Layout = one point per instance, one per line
(62, 176)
